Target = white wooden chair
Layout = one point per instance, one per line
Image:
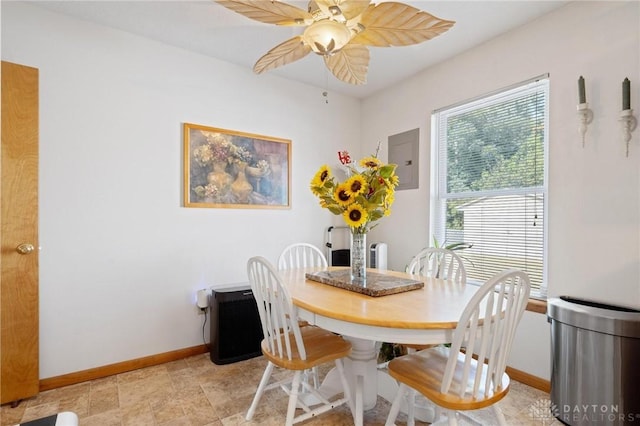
(438, 263)
(289, 346)
(301, 255)
(457, 378)
(435, 262)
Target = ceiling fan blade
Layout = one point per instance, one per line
(397, 24)
(348, 8)
(284, 53)
(350, 64)
(269, 11)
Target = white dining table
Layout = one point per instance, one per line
(427, 315)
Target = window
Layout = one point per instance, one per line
(490, 181)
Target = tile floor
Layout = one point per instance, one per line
(195, 391)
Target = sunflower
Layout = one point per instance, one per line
(321, 176)
(371, 162)
(364, 197)
(342, 195)
(355, 215)
(390, 198)
(356, 184)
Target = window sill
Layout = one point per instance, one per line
(537, 305)
(537, 301)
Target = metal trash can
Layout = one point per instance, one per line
(595, 362)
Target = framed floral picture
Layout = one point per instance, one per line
(230, 169)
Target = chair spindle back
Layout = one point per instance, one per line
(278, 315)
(438, 263)
(301, 255)
(487, 328)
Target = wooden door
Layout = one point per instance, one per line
(19, 372)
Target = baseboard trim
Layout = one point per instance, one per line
(149, 361)
(120, 367)
(529, 379)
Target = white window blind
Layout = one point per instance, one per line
(490, 162)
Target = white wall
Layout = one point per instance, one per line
(594, 192)
(121, 260)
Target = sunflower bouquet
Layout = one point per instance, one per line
(364, 197)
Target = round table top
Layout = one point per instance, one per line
(438, 305)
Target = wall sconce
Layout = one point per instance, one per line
(585, 115)
(627, 120)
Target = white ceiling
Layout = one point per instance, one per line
(205, 27)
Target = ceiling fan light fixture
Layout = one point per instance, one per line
(326, 36)
(340, 30)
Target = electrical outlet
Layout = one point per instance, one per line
(203, 299)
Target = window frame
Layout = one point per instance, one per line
(439, 177)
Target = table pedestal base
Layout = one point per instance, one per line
(360, 367)
(367, 382)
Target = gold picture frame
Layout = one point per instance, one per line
(231, 169)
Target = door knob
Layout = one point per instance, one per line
(25, 248)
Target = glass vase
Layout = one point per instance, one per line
(358, 257)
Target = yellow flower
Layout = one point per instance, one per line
(355, 215)
(321, 176)
(356, 185)
(363, 198)
(342, 195)
(390, 198)
(371, 163)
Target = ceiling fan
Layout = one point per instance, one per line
(340, 31)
